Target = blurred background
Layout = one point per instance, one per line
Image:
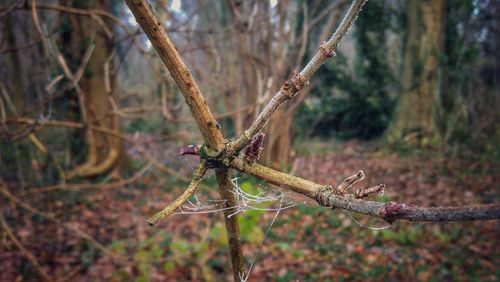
(91, 123)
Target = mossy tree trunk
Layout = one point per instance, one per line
(98, 91)
(415, 112)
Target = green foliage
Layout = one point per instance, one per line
(147, 253)
(87, 257)
(357, 105)
(218, 234)
(249, 227)
(469, 65)
(249, 220)
(403, 237)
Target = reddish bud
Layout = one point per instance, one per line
(190, 150)
(252, 153)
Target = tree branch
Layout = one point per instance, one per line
(165, 48)
(24, 251)
(233, 229)
(328, 196)
(197, 176)
(298, 80)
(290, 182)
(198, 106)
(223, 156)
(78, 125)
(391, 212)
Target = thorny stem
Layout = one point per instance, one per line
(197, 176)
(299, 80)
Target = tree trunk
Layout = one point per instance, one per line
(98, 93)
(13, 63)
(278, 141)
(415, 112)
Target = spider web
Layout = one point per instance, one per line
(245, 201)
(270, 200)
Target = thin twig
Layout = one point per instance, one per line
(23, 250)
(298, 81)
(95, 14)
(81, 186)
(197, 176)
(189, 88)
(78, 125)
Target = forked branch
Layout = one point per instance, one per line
(218, 154)
(198, 106)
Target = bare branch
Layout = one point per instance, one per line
(82, 186)
(298, 80)
(350, 181)
(198, 106)
(290, 182)
(233, 229)
(95, 14)
(327, 195)
(362, 193)
(24, 251)
(77, 125)
(394, 211)
(197, 176)
(179, 71)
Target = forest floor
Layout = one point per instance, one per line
(305, 242)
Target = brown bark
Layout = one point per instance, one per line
(279, 136)
(223, 156)
(97, 94)
(232, 226)
(14, 64)
(328, 196)
(198, 106)
(173, 61)
(415, 110)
